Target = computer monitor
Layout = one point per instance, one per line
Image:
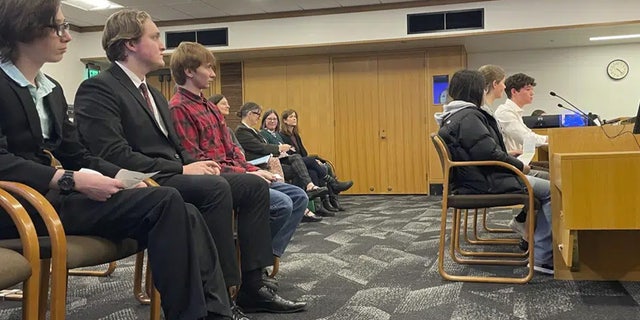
(544, 121)
(636, 127)
(574, 120)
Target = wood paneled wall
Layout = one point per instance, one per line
(302, 84)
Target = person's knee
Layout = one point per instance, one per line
(279, 201)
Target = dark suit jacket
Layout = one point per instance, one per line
(299, 146)
(254, 145)
(22, 158)
(115, 123)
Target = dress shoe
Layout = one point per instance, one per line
(272, 283)
(321, 211)
(327, 205)
(310, 217)
(333, 200)
(266, 300)
(317, 192)
(236, 313)
(338, 186)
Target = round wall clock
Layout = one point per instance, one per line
(617, 69)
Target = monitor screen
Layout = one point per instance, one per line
(574, 120)
(440, 85)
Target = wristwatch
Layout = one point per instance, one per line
(66, 183)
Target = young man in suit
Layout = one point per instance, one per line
(204, 135)
(127, 122)
(33, 118)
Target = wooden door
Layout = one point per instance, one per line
(402, 124)
(357, 115)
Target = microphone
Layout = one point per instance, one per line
(595, 121)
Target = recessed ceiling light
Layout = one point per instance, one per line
(92, 5)
(619, 37)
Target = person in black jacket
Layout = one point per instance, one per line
(472, 134)
(33, 120)
(291, 135)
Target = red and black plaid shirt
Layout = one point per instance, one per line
(203, 132)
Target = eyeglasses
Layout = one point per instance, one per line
(61, 29)
(257, 113)
(272, 119)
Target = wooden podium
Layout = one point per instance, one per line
(595, 188)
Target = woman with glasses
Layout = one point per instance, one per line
(255, 146)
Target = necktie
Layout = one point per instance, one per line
(145, 93)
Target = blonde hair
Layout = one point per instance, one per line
(122, 26)
(189, 56)
(491, 73)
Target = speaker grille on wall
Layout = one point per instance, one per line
(208, 37)
(442, 21)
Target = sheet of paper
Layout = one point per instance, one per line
(260, 160)
(528, 150)
(131, 178)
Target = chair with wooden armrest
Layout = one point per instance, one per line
(461, 203)
(62, 253)
(25, 267)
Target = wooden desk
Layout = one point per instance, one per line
(595, 183)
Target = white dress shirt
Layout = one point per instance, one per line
(509, 116)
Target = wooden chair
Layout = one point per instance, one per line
(480, 201)
(61, 253)
(25, 267)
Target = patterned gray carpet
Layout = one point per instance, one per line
(376, 261)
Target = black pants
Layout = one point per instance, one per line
(183, 256)
(216, 197)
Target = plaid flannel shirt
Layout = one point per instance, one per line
(203, 132)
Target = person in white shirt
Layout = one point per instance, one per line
(519, 90)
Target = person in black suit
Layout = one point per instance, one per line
(127, 122)
(33, 118)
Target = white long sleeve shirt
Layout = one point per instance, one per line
(509, 116)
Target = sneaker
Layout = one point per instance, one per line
(543, 268)
(518, 227)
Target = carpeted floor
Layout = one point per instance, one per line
(376, 261)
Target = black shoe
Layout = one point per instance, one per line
(338, 186)
(321, 211)
(236, 313)
(317, 192)
(333, 200)
(310, 217)
(327, 205)
(271, 283)
(524, 245)
(266, 300)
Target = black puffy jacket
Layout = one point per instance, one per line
(472, 134)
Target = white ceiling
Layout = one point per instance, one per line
(166, 10)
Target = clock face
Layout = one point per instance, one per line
(617, 69)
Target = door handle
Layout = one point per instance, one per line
(383, 134)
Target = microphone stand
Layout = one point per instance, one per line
(589, 120)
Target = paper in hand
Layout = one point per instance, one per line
(528, 149)
(132, 178)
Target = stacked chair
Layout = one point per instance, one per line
(475, 202)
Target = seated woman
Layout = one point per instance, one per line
(222, 104)
(255, 147)
(472, 134)
(290, 135)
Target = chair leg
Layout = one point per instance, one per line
(494, 230)
(441, 256)
(142, 297)
(481, 240)
(276, 267)
(45, 265)
(88, 273)
(155, 305)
